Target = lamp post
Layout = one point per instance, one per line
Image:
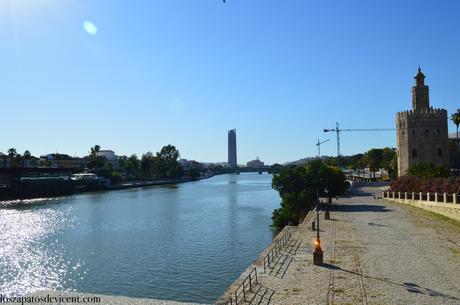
(318, 253)
(327, 214)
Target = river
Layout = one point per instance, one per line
(185, 242)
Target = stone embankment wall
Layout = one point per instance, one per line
(444, 204)
(249, 276)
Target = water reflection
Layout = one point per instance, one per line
(186, 242)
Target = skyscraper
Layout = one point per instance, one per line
(232, 148)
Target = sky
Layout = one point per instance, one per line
(133, 76)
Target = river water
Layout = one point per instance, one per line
(185, 242)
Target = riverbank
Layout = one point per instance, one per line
(67, 298)
(11, 200)
(375, 252)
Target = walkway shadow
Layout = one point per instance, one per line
(360, 208)
(410, 287)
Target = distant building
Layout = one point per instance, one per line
(62, 161)
(108, 154)
(255, 163)
(454, 150)
(421, 132)
(232, 148)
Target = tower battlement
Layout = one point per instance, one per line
(423, 113)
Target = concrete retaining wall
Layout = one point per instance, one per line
(451, 210)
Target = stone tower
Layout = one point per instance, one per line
(421, 132)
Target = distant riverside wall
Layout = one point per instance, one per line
(443, 204)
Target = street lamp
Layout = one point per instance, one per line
(318, 253)
(327, 214)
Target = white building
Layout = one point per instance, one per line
(255, 163)
(108, 154)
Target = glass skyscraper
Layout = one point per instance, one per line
(232, 148)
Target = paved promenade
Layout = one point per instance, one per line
(376, 252)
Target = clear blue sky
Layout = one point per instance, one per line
(184, 72)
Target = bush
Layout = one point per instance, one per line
(428, 170)
(426, 185)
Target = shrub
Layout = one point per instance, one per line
(432, 185)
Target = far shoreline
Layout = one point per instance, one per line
(121, 186)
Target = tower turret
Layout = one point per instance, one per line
(420, 93)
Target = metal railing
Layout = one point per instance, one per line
(246, 286)
(274, 253)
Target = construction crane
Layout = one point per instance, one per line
(319, 145)
(337, 130)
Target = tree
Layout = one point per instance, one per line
(297, 190)
(428, 171)
(299, 186)
(4, 157)
(12, 155)
(167, 162)
(455, 118)
(26, 157)
(275, 168)
(374, 159)
(388, 158)
(131, 166)
(148, 164)
(96, 161)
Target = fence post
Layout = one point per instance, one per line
(427, 196)
(454, 196)
(445, 197)
(413, 196)
(405, 196)
(436, 197)
(394, 195)
(420, 196)
(399, 195)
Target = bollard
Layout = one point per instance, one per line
(413, 195)
(421, 196)
(427, 196)
(436, 197)
(399, 195)
(405, 196)
(454, 196)
(394, 195)
(445, 197)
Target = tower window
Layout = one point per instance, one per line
(439, 152)
(414, 153)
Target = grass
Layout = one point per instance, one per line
(454, 250)
(432, 215)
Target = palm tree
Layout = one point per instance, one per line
(26, 157)
(97, 149)
(94, 152)
(455, 118)
(12, 154)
